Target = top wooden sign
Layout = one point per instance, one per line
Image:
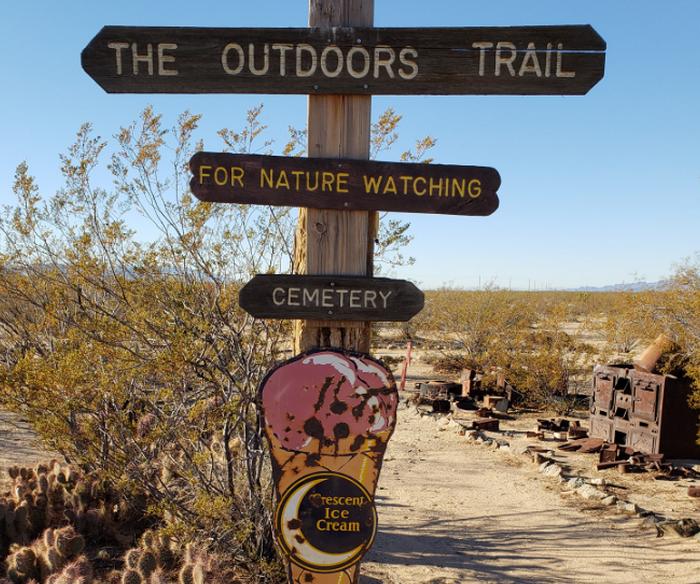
(532, 60)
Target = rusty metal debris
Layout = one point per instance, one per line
(486, 424)
(558, 425)
(626, 460)
(634, 407)
(562, 429)
(471, 383)
(438, 389)
(474, 385)
(441, 406)
(681, 527)
(584, 445)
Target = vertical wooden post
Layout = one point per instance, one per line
(336, 242)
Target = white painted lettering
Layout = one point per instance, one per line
(386, 62)
(118, 48)
(338, 59)
(163, 59)
(507, 61)
(282, 48)
(147, 58)
(370, 298)
(278, 296)
(358, 74)
(251, 60)
(301, 49)
(293, 296)
(355, 298)
(310, 297)
(342, 292)
(560, 71)
(385, 296)
(531, 63)
(225, 58)
(482, 56)
(407, 57)
(327, 298)
(548, 61)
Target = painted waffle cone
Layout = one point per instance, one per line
(327, 413)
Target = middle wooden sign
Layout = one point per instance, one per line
(326, 183)
(358, 298)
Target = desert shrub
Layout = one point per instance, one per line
(121, 338)
(451, 363)
(474, 322)
(127, 350)
(548, 364)
(622, 323)
(533, 339)
(675, 311)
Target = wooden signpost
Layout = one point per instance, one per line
(326, 183)
(525, 60)
(329, 413)
(331, 298)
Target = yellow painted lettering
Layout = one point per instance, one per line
(372, 183)
(266, 177)
(308, 182)
(220, 176)
(415, 186)
(405, 180)
(297, 174)
(474, 188)
(342, 182)
(237, 174)
(432, 185)
(390, 186)
(327, 179)
(282, 180)
(204, 172)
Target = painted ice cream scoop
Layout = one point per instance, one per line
(328, 416)
(327, 402)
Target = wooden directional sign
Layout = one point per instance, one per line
(325, 183)
(530, 60)
(331, 298)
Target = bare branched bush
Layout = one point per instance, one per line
(122, 340)
(126, 350)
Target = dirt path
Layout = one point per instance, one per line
(17, 445)
(453, 512)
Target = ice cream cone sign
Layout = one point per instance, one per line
(328, 416)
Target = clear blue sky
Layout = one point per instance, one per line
(596, 190)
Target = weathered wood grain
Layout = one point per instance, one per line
(328, 183)
(529, 60)
(354, 298)
(328, 241)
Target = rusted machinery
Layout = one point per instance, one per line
(633, 406)
(438, 393)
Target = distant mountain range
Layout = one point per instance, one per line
(625, 287)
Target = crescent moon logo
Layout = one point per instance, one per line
(325, 522)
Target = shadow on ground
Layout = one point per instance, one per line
(486, 548)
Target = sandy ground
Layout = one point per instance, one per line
(17, 446)
(452, 512)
